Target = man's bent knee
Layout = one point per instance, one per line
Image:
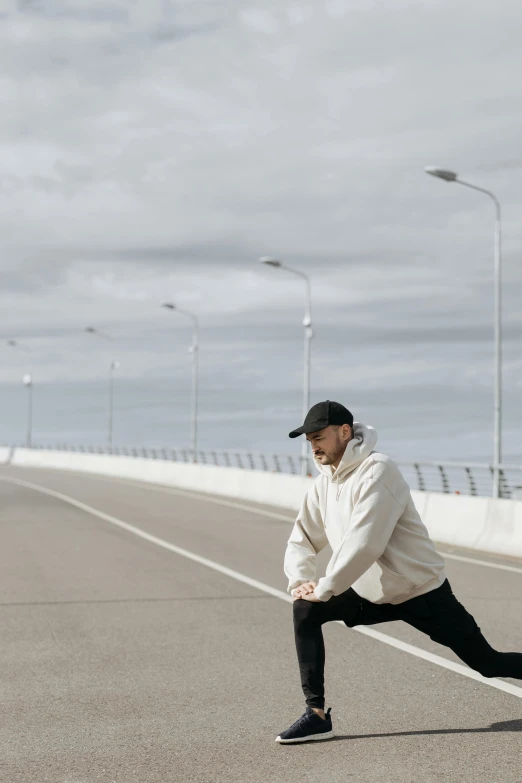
(305, 610)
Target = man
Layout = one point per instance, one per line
(384, 565)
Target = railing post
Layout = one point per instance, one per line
(420, 477)
(504, 491)
(472, 485)
(445, 482)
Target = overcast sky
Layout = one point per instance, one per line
(153, 149)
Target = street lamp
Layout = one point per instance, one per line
(16, 344)
(194, 350)
(451, 176)
(28, 383)
(113, 365)
(308, 334)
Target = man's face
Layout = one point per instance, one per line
(329, 445)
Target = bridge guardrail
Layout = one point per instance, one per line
(448, 477)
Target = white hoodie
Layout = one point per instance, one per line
(364, 509)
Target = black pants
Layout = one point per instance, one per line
(437, 613)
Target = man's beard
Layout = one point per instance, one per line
(326, 459)
(329, 459)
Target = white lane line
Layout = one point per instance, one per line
(183, 492)
(500, 685)
(485, 563)
(262, 512)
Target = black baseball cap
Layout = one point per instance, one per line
(321, 415)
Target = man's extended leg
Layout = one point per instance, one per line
(446, 621)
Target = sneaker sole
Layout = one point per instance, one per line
(325, 735)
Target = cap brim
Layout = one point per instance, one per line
(314, 426)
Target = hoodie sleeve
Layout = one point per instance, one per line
(374, 516)
(307, 539)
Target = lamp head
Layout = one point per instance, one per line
(449, 176)
(27, 380)
(169, 305)
(269, 261)
(90, 329)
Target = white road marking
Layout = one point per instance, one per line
(500, 685)
(271, 514)
(185, 493)
(485, 563)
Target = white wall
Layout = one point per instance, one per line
(276, 489)
(474, 522)
(5, 453)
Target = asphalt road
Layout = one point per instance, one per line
(124, 662)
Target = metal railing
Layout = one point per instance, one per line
(469, 478)
(463, 478)
(248, 460)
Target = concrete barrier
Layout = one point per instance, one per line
(484, 524)
(479, 523)
(5, 454)
(277, 489)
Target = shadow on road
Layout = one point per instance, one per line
(507, 725)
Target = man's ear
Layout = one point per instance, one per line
(347, 432)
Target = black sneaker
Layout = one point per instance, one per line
(309, 727)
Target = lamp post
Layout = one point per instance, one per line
(28, 383)
(194, 350)
(451, 176)
(308, 334)
(113, 365)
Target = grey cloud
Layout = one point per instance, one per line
(76, 11)
(134, 168)
(500, 165)
(171, 32)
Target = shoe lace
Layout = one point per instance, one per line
(300, 722)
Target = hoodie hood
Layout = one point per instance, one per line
(360, 447)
